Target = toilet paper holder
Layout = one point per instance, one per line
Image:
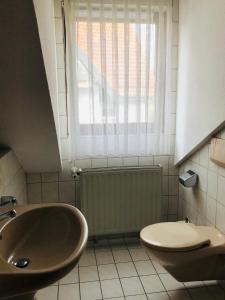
(188, 179)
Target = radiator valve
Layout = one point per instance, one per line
(75, 171)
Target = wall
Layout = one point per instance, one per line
(201, 78)
(26, 118)
(60, 187)
(12, 177)
(204, 204)
(44, 10)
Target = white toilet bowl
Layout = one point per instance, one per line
(186, 251)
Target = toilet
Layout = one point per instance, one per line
(188, 252)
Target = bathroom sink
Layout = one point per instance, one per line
(38, 247)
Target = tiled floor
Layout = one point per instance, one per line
(121, 269)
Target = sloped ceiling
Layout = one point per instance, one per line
(201, 76)
(26, 117)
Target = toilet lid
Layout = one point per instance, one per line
(173, 236)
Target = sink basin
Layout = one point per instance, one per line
(49, 238)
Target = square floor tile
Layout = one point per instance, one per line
(144, 267)
(88, 273)
(87, 259)
(138, 254)
(132, 286)
(126, 269)
(107, 271)
(117, 298)
(179, 295)
(71, 277)
(152, 284)
(200, 294)
(50, 293)
(111, 288)
(158, 296)
(170, 282)
(121, 256)
(158, 267)
(90, 291)
(137, 297)
(216, 292)
(104, 257)
(69, 292)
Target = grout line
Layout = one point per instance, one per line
(58, 291)
(78, 267)
(117, 269)
(110, 247)
(98, 272)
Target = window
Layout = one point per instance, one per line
(118, 70)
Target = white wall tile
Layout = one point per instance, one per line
(175, 36)
(146, 160)
(59, 30)
(221, 171)
(202, 172)
(165, 205)
(33, 177)
(212, 184)
(99, 163)
(65, 148)
(60, 55)
(175, 10)
(174, 57)
(212, 166)
(195, 157)
(221, 190)
(34, 193)
(173, 205)
(172, 125)
(206, 204)
(63, 126)
(83, 163)
(220, 220)
(173, 102)
(57, 8)
(115, 162)
(61, 80)
(62, 104)
(204, 156)
(173, 170)
(173, 185)
(50, 192)
(67, 191)
(130, 161)
(164, 161)
(173, 80)
(165, 185)
(49, 177)
(211, 210)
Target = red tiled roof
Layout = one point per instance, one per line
(136, 70)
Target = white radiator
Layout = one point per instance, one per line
(120, 200)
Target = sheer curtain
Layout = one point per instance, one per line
(118, 58)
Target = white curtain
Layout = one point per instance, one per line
(118, 66)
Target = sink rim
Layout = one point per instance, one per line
(78, 250)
